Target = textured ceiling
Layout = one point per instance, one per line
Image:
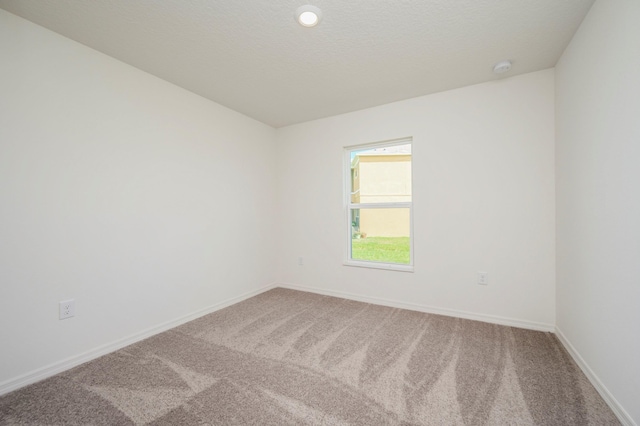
(252, 56)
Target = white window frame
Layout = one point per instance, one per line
(348, 206)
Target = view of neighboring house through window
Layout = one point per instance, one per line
(379, 205)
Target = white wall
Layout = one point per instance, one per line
(140, 200)
(483, 164)
(598, 197)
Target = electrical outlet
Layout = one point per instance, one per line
(483, 278)
(67, 309)
(300, 261)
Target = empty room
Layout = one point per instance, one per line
(347, 213)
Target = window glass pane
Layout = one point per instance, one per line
(381, 175)
(381, 235)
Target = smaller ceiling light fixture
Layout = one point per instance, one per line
(502, 67)
(308, 16)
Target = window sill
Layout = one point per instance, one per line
(377, 265)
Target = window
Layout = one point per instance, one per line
(378, 204)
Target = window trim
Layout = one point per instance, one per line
(348, 206)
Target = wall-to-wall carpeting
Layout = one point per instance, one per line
(290, 357)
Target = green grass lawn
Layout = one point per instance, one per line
(381, 249)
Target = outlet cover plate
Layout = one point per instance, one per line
(67, 309)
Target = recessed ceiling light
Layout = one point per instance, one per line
(502, 67)
(308, 16)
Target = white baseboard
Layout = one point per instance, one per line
(68, 363)
(613, 403)
(530, 325)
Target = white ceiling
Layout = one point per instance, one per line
(252, 56)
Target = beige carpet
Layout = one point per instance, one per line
(289, 357)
